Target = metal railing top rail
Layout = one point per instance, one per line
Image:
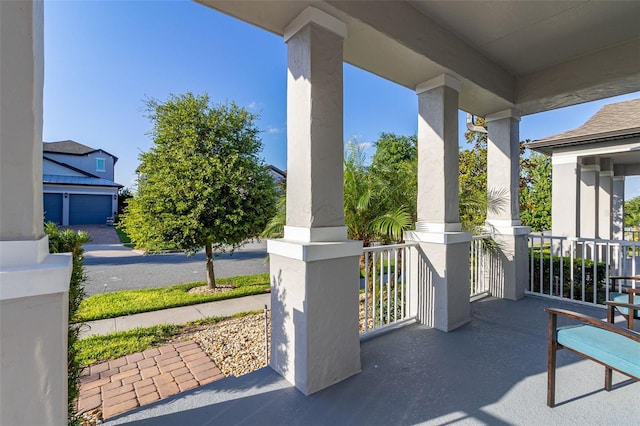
(388, 247)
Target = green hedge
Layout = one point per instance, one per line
(69, 241)
(566, 277)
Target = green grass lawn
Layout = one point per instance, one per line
(124, 238)
(114, 345)
(101, 348)
(118, 303)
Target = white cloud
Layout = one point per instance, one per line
(272, 129)
(252, 105)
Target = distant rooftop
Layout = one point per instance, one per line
(78, 180)
(71, 147)
(614, 121)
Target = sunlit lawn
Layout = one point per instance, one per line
(127, 302)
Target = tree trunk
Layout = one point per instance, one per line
(211, 278)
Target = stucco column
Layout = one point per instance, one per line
(589, 197)
(503, 179)
(565, 196)
(33, 284)
(605, 199)
(617, 208)
(441, 265)
(314, 268)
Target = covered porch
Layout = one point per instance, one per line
(490, 371)
(494, 60)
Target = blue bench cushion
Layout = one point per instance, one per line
(610, 348)
(623, 298)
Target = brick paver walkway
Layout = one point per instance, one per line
(124, 383)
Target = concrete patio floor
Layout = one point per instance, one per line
(491, 371)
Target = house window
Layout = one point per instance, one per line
(100, 165)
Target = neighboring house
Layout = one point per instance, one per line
(78, 186)
(279, 176)
(590, 164)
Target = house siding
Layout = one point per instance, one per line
(87, 162)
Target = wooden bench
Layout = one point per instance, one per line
(616, 348)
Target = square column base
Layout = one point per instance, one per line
(512, 265)
(34, 314)
(315, 341)
(441, 269)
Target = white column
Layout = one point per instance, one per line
(605, 199)
(314, 268)
(65, 209)
(565, 196)
(617, 208)
(589, 197)
(503, 178)
(441, 267)
(33, 284)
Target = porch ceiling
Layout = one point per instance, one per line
(529, 55)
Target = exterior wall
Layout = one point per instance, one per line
(87, 163)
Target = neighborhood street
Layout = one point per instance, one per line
(112, 267)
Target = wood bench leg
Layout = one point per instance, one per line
(551, 362)
(607, 378)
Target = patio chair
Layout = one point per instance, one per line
(614, 347)
(625, 295)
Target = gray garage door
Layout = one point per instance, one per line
(89, 209)
(53, 208)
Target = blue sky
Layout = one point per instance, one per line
(103, 58)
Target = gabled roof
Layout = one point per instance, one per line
(72, 148)
(614, 121)
(277, 171)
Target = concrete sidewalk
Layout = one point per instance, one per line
(177, 316)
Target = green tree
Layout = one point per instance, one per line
(632, 212)
(395, 166)
(378, 200)
(535, 192)
(202, 184)
(473, 180)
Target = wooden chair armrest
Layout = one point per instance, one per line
(633, 291)
(622, 305)
(595, 322)
(622, 277)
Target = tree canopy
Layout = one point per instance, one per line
(475, 197)
(202, 184)
(632, 212)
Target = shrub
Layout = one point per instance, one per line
(69, 241)
(566, 277)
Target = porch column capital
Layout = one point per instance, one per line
(439, 81)
(564, 159)
(312, 15)
(500, 115)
